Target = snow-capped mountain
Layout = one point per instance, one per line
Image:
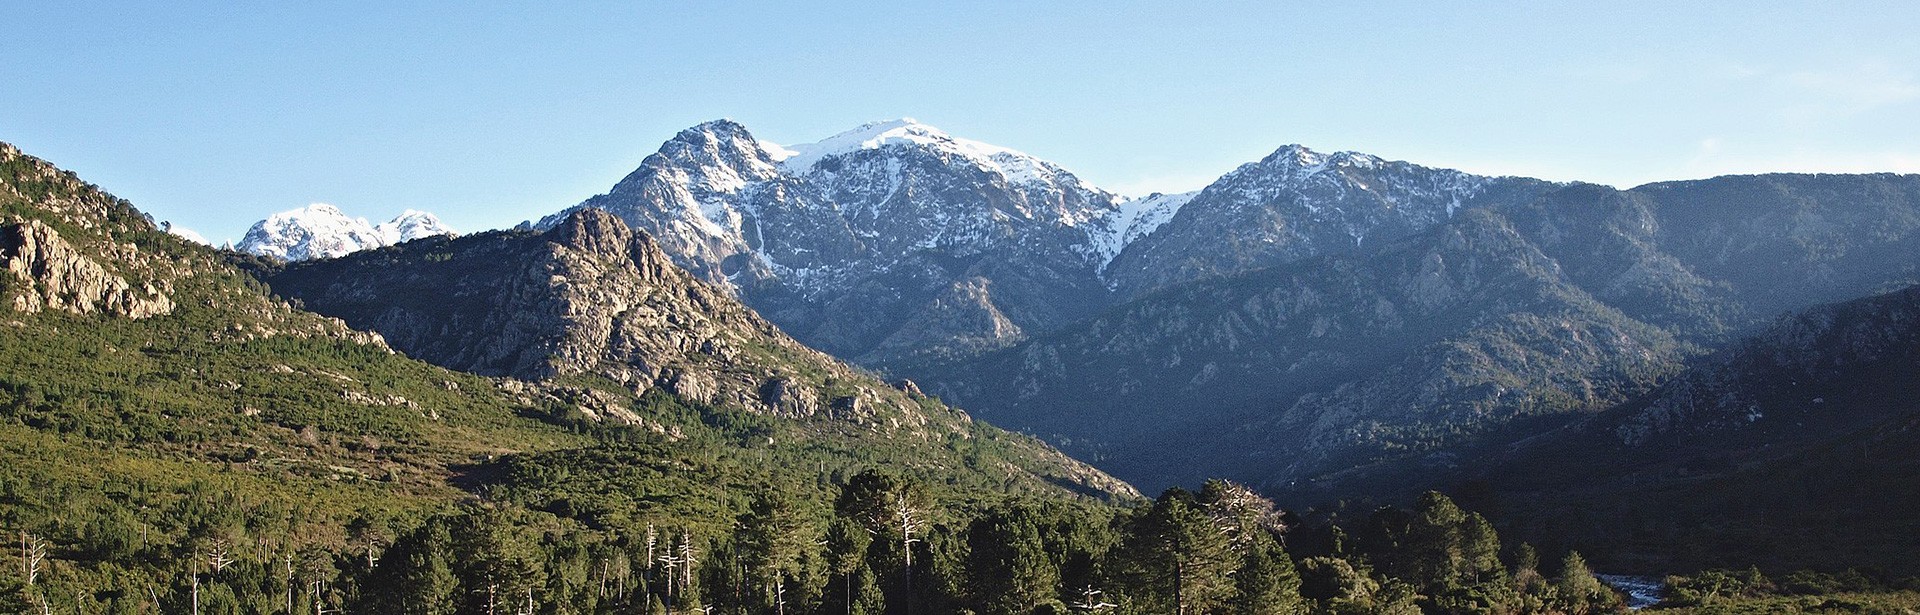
(846, 240)
(1298, 203)
(323, 231)
(889, 238)
(410, 225)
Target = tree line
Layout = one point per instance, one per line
(882, 546)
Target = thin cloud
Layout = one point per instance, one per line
(1855, 89)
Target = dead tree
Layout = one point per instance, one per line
(1090, 601)
(33, 550)
(911, 522)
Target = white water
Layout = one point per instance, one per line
(1642, 592)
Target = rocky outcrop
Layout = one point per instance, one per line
(961, 321)
(50, 274)
(588, 296)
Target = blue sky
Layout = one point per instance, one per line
(216, 114)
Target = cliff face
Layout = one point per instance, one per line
(54, 276)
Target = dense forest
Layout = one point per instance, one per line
(881, 546)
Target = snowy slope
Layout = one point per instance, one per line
(410, 225)
(323, 231)
(843, 240)
(1015, 166)
(1132, 220)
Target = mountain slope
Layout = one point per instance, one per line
(1312, 372)
(1791, 448)
(840, 241)
(1287, 373)
(591, 299)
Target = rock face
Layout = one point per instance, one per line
(322, 231)
(1389, 359)
(55, 276)
(896, 243)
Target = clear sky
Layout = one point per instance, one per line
(216, 114)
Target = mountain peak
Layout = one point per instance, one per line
(871, 135)
(1019, 168)
(320, 230)
(722, 128)
(1305, 162)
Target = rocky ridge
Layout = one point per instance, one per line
(591, 298)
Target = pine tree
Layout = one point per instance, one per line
(772, 540)
(1267, 584)
(1008, 562)
(1577, 589)
(1175, 556)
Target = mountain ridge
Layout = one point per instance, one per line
(845, 241)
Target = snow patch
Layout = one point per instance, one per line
(184, 233)
(1133, 219)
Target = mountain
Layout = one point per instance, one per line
(590, 300)
(1297, 203)
(1347, 372)
(1793, 447)
(895, 243)
(322, 231)
(846, 241)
